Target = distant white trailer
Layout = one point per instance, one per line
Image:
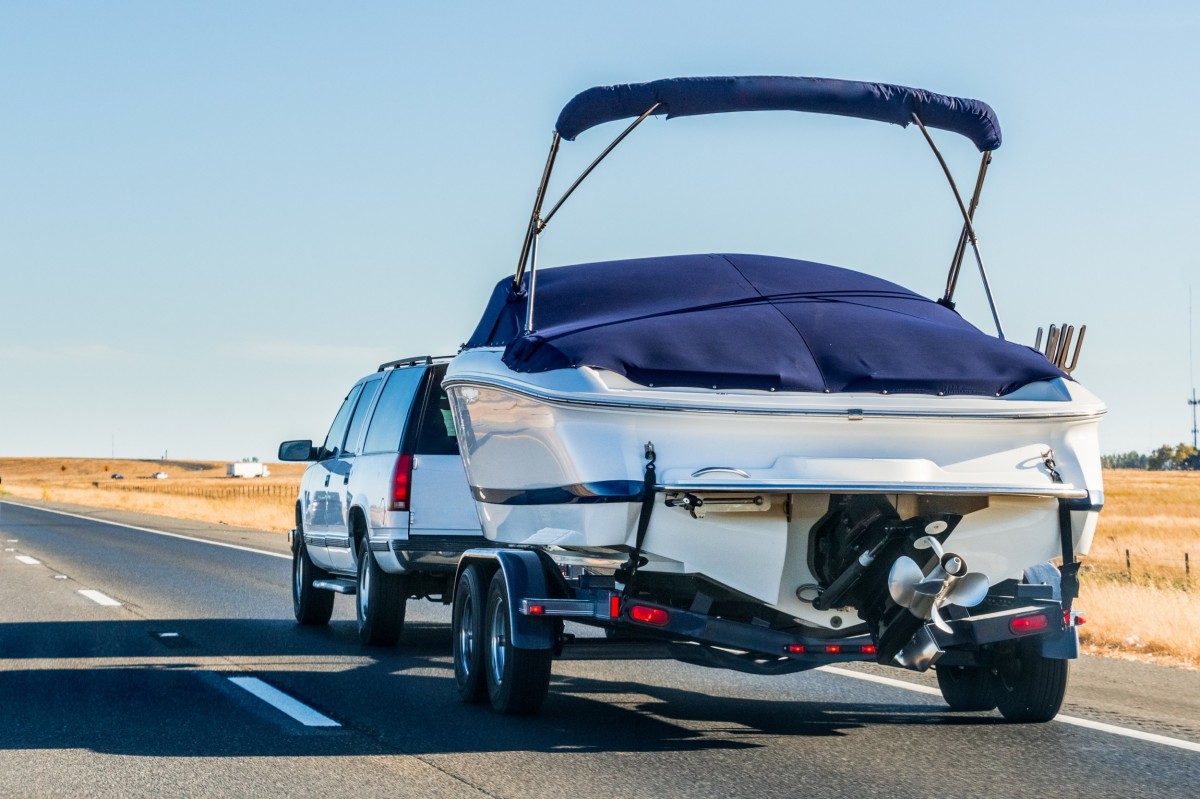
(247, 469)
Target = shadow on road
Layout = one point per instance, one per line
(121, 688)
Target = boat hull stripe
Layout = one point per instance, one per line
(602, 491)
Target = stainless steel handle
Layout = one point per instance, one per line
(728, 469)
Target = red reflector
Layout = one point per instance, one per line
(833, 649)
(649, 615)
(868, 649)
(614, 607)
(1027, 624)
(794, 649)
(401, 482)
(537, 610)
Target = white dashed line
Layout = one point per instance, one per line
(99, 598)
(1150, 737)
(28, 560)
(284, 703)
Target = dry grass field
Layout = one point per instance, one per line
(1152, 607)
(1150, 610)
(192, 490)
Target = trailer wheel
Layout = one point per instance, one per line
(380, 601)
(966, 687)
(517, 679)
(1028, 687)
(312, 606)
(467, 625)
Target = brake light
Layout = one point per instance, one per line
(614, 607)
(868, 649)
(1028, 624)
(536, 610)
(648, 615)
(402, 482)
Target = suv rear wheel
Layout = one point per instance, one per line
(381, 600)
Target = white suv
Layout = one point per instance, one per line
(385, 510)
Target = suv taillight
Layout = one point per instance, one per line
(402, 482)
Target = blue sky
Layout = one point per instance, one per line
(214, 217)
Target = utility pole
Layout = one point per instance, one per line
(1191, 369)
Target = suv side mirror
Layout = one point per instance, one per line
(297, 451)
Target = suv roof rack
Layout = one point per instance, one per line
(416, 359)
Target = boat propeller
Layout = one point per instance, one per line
(948, 584)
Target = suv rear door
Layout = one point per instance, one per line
(442, 502)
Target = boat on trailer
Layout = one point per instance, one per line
(769, 462)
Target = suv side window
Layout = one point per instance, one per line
(391, 412)
(360, 415)
(337, 431)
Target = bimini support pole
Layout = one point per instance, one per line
(535, 219)
(537, 223)
(960, 250)
(967, 226)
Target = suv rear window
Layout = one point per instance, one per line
(437, 435)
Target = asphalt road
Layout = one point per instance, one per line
(136, 699)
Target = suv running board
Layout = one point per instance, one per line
(337, 586)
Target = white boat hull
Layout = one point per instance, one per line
(557, 459)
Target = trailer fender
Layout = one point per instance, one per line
(525, 577)
(1055, 646)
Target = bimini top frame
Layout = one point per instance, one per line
(676, 97)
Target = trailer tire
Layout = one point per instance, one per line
(517, 679)
(967, 688)
(467, 625)
(1028, 687)
(379, 602)
(312, 606)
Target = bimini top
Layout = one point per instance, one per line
(882, 102)
(751, 322)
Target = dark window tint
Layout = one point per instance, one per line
(391, 412)
(360, 415)
(337, 431)
(437, 435)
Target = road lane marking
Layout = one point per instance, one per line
(159, 532)
(282, 702)
(99, 598)
(28, 560)
(1113, 729)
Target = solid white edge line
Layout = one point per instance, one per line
(28, 561)
(99, 598)
(155, 532)
(284, 703)
(1100, 726)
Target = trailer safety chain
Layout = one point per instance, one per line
(635, 558)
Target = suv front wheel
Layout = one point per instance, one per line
(312, 606)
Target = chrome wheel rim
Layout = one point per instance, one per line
(364, 587)
(466, 637)
(498, 642)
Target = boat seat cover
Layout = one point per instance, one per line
(751, 322)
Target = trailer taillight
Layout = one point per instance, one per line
(648, 615)
(1023, 625)
(614, 607)
(402, 482)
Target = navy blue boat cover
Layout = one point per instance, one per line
(882, 102)
(751, 322)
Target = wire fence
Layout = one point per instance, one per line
(238, 491)
(1132, 564)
